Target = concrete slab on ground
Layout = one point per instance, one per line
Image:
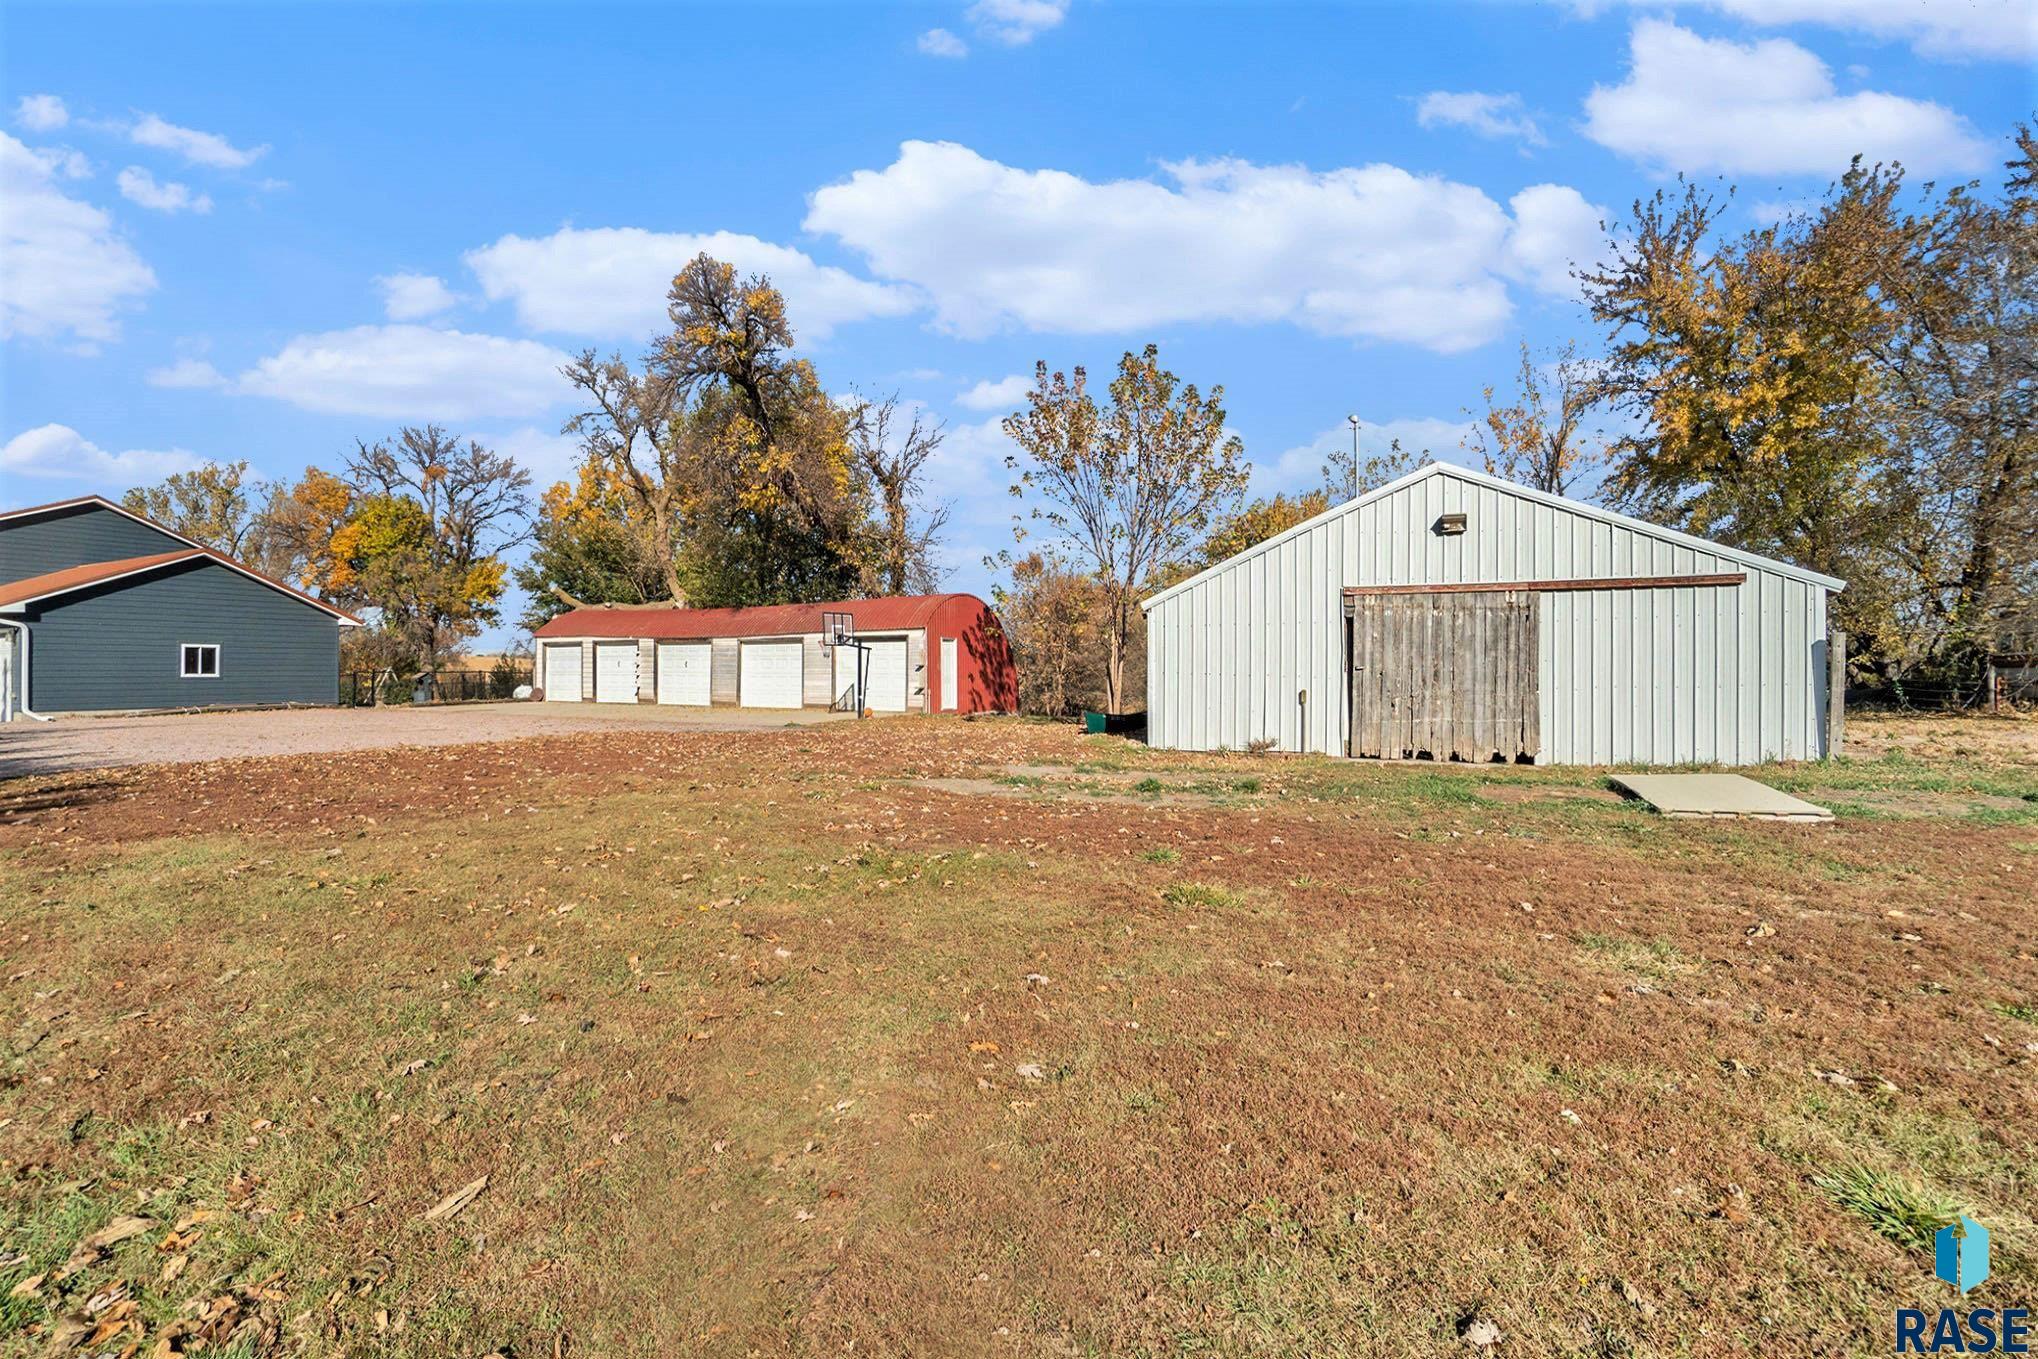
(1717, 795)
(82, 742)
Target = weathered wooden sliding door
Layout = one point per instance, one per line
(1443, 673)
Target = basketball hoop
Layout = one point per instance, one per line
(838, 629)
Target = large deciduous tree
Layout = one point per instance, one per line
(216, 503)
(588, 547)
(1851, 388)
(1538, 437)
(422, 547)
(736, 464)
(1055, 617)
(1748, 365)
(892, 450)
(1129, 489)
(1962, 369)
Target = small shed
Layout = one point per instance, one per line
(1454, 615)
(920, 654)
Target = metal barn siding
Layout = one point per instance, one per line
(1254, 649)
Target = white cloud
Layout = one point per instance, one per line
(58, 452)
(969, 469)
(41, 112)
(1770, 107)
(1017, 22)
(186, 374)
(1489, 115)
(63, 268)
(1371, 252)
(1004, 395)
(62, 160)
(1299, 468)
(939, 42)
(139, 186)
(200, 148)
(1555, 230)
(2002, 29)
(401, 372)
(413, 297)
(612, 281)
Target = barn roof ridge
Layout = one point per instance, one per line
(1487, 479)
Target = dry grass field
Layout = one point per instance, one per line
(938, 1037)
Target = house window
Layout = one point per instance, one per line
(199, 660)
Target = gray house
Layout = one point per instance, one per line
(103, 610)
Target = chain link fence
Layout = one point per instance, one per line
(362, 688)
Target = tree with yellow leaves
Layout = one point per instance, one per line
(1538, 438)
(421, 550)
(589, 545)
(1749, 365)
(735, 464)
(1127, 490)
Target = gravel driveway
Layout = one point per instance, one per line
(69, 743)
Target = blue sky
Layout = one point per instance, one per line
(263, 232)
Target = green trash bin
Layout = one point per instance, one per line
(1093, 723)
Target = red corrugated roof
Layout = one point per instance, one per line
(890, 614)
(93, 573)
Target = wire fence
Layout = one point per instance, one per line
(1898, 696)
(363, 688)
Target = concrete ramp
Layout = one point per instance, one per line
(1717, 795)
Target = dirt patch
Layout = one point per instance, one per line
(2009, 738)
(925, 1073)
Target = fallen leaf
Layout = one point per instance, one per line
(118, 1230)
(456, 1200)
(1480, 1333)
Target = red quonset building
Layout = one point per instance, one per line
(922, 654)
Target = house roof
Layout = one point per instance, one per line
(1577, 507)
(890, 614)
(103, 503)
(15, 595)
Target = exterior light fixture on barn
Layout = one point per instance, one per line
(922, 653)
(1453, 614)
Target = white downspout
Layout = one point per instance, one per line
(22, 630)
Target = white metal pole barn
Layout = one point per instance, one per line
(1453, 613)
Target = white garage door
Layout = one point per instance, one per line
(683, 672)
(562, 673)
(772, 675)
(884, 676)
(615, 672)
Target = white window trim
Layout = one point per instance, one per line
(182, 673)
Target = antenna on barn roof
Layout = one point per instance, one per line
(838, 629)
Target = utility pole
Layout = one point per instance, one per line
(1352, 488)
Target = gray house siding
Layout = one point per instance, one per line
(73, 537)
(117, 646)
